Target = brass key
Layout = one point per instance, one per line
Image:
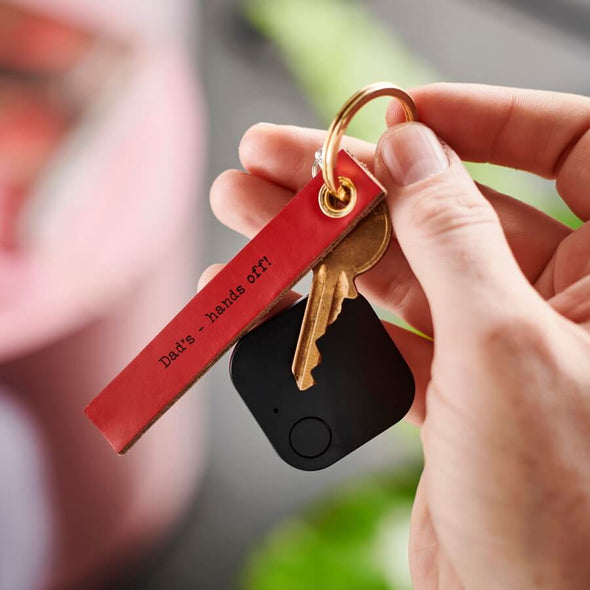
(333, 282)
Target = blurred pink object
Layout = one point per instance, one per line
(107, 256)
(153, 20)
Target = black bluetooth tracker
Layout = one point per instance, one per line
(363, 384)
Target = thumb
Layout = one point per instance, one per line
(448, 231)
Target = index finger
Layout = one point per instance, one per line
(547, 133)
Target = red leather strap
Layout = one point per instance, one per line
(270, 264)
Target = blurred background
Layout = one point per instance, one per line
(114, 120)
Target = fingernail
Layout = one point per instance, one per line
(412, 153)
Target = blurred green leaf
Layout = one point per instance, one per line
(335, 47)
(355, 540)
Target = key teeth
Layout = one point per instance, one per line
(305, 379)
(303, 384)
(320, 358)
(311, 382)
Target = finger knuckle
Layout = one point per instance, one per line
(520, 341)
(443, 208)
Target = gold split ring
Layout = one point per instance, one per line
(338, 195)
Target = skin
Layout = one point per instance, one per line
(503, 391)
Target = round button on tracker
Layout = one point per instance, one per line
(310, 437)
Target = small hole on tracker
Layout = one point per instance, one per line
(276, 410)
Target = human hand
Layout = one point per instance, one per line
(503, 392)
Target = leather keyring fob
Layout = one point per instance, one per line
(363, 385)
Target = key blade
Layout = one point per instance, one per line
(315, 321)
(333, 281)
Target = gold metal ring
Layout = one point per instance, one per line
(334, 206)
(341, 122)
